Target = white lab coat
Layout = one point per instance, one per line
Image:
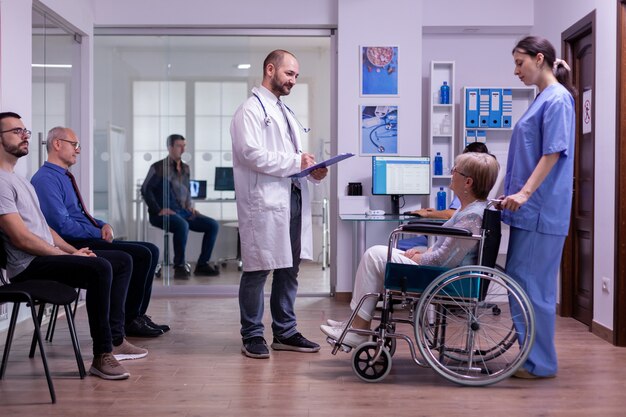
(263, 160)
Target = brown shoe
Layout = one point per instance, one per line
(107, 367)
(524, 374)
(127, 351)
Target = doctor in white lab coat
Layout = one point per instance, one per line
(273, 209)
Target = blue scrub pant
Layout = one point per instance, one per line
(533, 261)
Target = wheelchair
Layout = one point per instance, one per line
(462, 319)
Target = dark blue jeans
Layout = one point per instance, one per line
(145, 259)
(284, 288)
(106, 280)
(180, 226)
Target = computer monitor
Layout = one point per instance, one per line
(400, 175)
(224, 180)
(197, 189)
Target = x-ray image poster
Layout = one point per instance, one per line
(379, 71)
(379, 130)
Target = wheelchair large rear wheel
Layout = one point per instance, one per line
(459, 334)
(364, 365)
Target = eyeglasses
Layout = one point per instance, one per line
(453, 170)
(76, 144)
(18, 131)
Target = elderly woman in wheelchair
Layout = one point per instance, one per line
(453, 301)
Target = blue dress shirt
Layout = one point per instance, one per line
(60, 204)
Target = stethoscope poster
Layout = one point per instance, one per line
(379, 71)
(379, 130)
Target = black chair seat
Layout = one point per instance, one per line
(40, 291)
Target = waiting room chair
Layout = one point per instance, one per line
(37, 292)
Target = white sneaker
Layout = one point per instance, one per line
(351, 339)
(335, 323)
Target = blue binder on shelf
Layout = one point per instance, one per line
(481, 136)
(470, 137)
(507, 108)
(495, 107)
(471, 107)
(483, 108)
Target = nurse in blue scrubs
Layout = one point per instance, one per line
(538, 192)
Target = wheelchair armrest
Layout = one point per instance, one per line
(438, 230)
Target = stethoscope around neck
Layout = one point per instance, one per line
(268, 121)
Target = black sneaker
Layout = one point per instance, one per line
(255, 347)
(296, 343)
(206, 270)
(181, 272)
(139, 328)
(163, 327)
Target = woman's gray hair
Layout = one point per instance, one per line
(482, 168)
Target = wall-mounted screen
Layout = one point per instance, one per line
(224, 180)
(197, 189)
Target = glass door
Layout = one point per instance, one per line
(155, 86)
(56, 82)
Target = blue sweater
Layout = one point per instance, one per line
(60, 204)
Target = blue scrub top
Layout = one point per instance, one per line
(547, 127)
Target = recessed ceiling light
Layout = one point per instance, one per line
(51, 65)
(243, 66)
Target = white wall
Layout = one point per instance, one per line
(233, 13)
(356, 18)
(551, 19)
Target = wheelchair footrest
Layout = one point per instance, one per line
(333, 343)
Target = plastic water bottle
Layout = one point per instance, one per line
(441, 199)
(446, 125)
(444, 93)
(438, 164)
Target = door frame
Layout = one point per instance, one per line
(584, 25)
(619, 305)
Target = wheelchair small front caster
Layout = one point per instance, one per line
(364, 366)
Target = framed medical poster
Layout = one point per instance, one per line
(379, 70)
(379, 130)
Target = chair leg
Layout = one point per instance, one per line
(37, 336)
(33, 344)
(75, 343)
(55, 315)
(10, 333)
(52, 324)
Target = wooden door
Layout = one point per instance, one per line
(577, 264)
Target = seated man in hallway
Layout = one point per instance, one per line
(167, 194)
(62, 205)
(35, 251)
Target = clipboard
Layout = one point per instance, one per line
(323, 164)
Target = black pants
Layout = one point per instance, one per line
(145, 259)
(106, 280)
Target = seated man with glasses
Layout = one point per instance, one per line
(62, 205)
(35, 251)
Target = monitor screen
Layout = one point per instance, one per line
(197, 189)
(400, 175)
(224, 180)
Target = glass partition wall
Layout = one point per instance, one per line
(56, 82)
(149, 87)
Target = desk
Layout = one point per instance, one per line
(359, 231)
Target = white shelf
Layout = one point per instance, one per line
(445, 144)
(497, 139)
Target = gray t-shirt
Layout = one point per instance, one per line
(17, 195)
